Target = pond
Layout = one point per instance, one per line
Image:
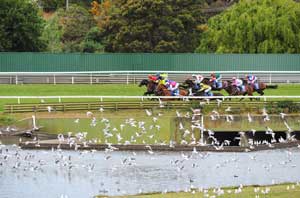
(56, 173)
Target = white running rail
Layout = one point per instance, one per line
(101, 98)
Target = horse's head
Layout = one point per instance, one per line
(144, 82)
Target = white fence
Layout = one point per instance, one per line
(130, 77)
(142, 98)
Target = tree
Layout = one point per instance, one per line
(75, 24)
(154, 26)
(72, 30)
(20, 26)
(102, 12)
(257, 26)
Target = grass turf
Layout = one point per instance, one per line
(275, 191)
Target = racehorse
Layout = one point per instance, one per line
(195, 92)
(151, 86)
(233, 90)
(210, 83)
(161, 90)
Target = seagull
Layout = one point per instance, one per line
(186, 132)
(49, 109)
(288, 127)
(76, 120)
(213, 117)
(216, 113)
(219, 102)
(249, 118)
(89, 113)
(228, 109)
(148, 112)
(253, 131)
(282, 115)
(101, 109)
(154, 119)
(195, 150)
(181, 126)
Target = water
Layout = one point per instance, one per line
(38, 173)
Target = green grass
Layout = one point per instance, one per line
(275, 191)
(107, 89)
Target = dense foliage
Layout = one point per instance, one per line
(154, 26)
(20, 26)
(68, 30)
(256, 26)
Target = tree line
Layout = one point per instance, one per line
(169, 26)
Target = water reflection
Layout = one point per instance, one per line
(31, 173)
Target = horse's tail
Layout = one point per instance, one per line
(271, 86)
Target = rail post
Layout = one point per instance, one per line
(54, 79)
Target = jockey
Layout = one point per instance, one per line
(252, 80)
(206, 88)
(198, 80)
(238, 83)
(173, 87)
(162, 78)
(152, 77)
(216, 79)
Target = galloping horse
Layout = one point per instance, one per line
(151, 86)
(161, 90)
(234, 91)
(261, 86)
(190, 84)
(210, 83)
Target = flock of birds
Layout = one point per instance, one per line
(148, 133)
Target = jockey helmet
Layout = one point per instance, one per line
(194, 75)
(233, 78)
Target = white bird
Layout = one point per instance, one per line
(154, 119)
(253, 131)
(213, 117)
(195, 150)
(49, 109)
(101, 109)
(148, 112)
(210, 132)
(119, 137)
(181, 126)
(121, 127)
(76, 120)
(186, 132)
(216, 113)
(42, 101)
(288, 127)
(228, 109)
(282, 115)
(158, 127)
(269, 130)
(219, 102)
(249, 118)
(89, 113)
